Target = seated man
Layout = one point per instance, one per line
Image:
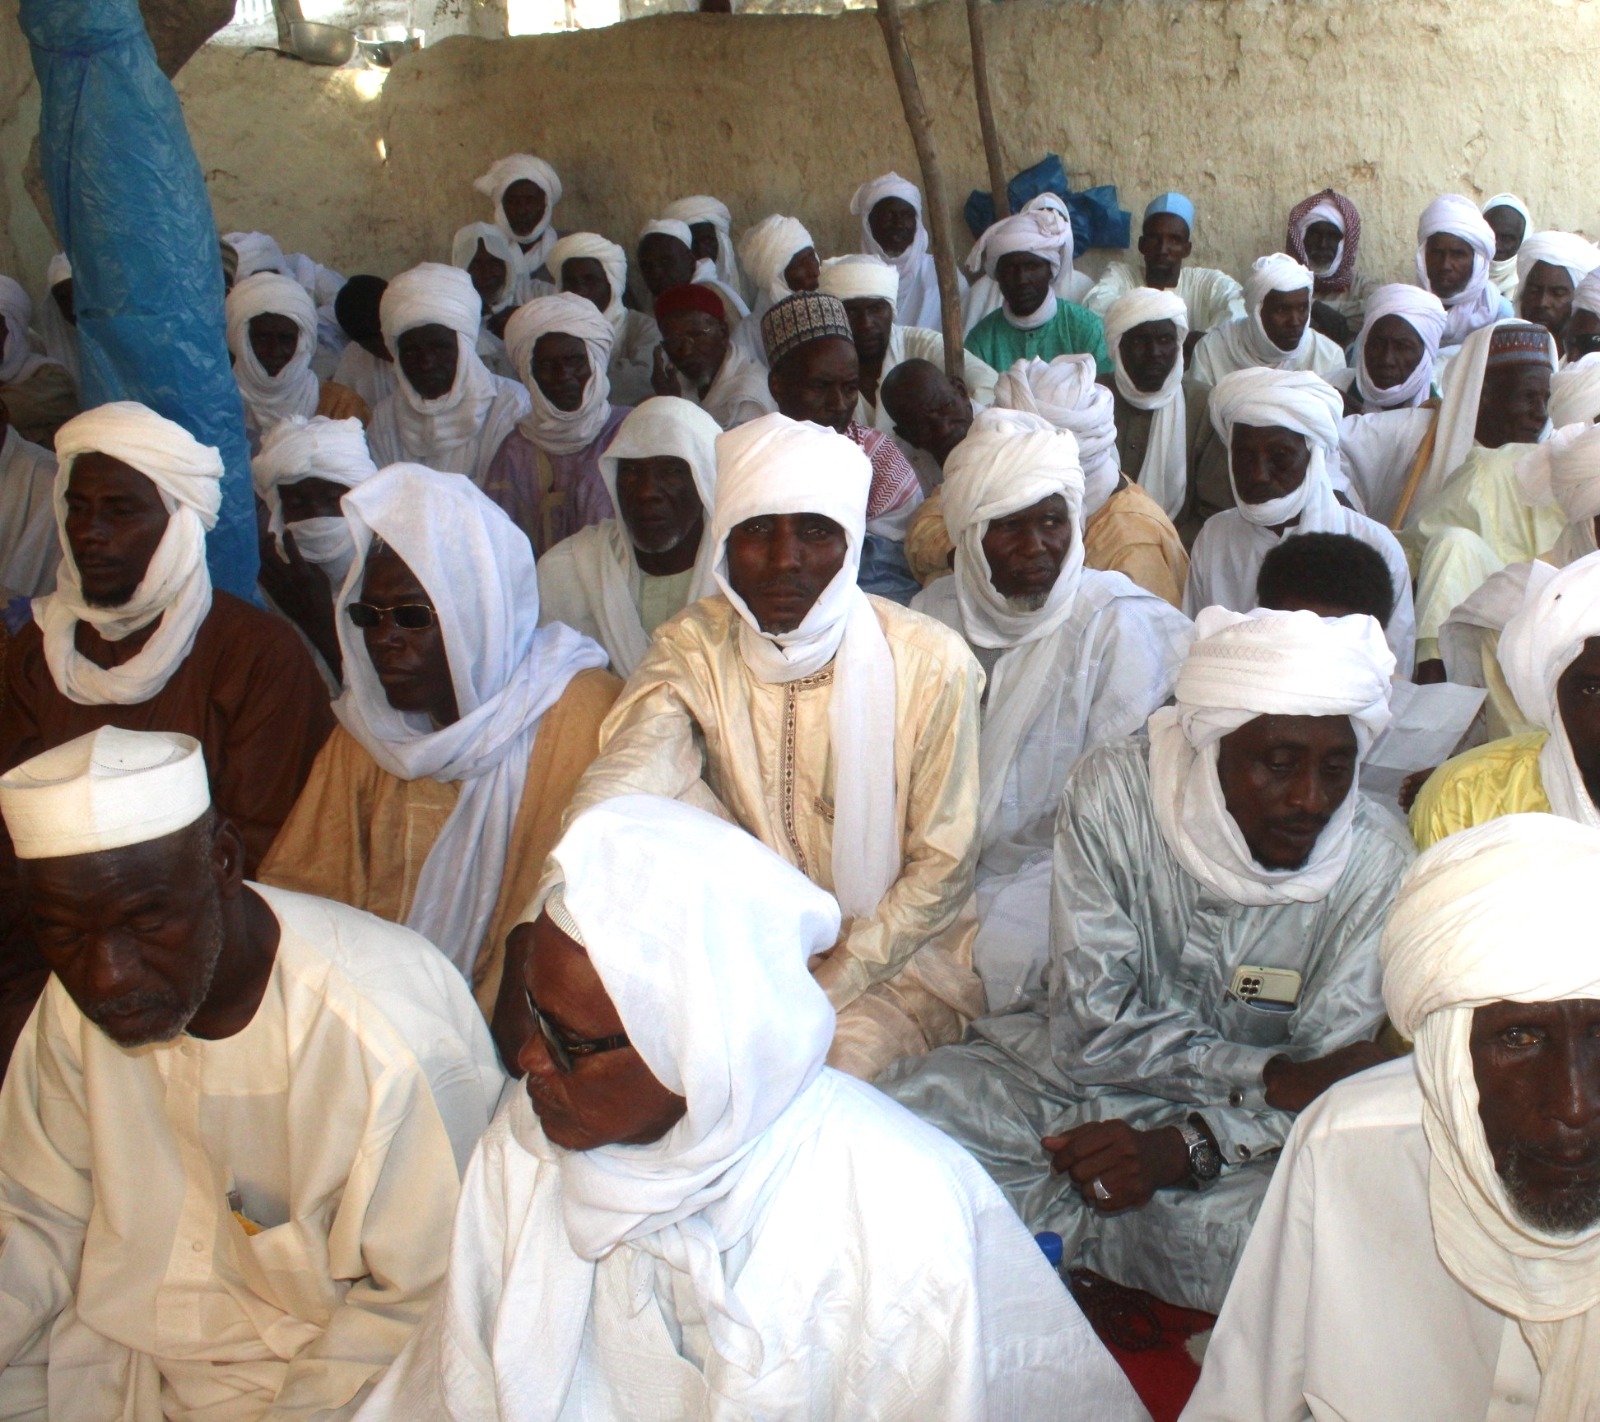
(546, 474)
(868, 288)
(272, 336)
(525, 191)
(1510, 221)
(30, 546)
(232, 1134)
(1074, 658)
(1330, 574)
(1550, 268)
(1583, 326)
(984, 295)
(39, 392)
(1464, 1175)
(589, 266)
(1275, 331)
(710, 236)
(780, 258)
(930, 414)
(1146, 332)
(620, 580)
(1166, 238)
(666, 256)
(890, 210)
(1217, 903)
(366, 365)
(1281, 431)
(1324, 233)
(1023, 256)
(814, 375)
(840, 730)
(1454, 248)
(695, 1213)
(465, 726)
(448, 410)
(135, 636)
(698, 359)
(484, 253)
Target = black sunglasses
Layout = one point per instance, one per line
(409, 616)
(561, 1049)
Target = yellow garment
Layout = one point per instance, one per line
(1501, 778)
(340, 402)
(1129, 534)
(694, 724)
(361, 835)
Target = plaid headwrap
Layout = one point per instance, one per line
(799, 319)
(1304, 214)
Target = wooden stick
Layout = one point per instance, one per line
(980, 92)
(937, 211)
(1418, 466)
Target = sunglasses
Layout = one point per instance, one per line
(562, 1049)
(409, 616)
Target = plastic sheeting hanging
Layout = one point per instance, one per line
(1097, 220)
(132, 214)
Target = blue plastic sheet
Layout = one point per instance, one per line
(1097, 220)
(133, 216)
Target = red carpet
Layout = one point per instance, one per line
(1147, 1338)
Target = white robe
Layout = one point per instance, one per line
(1341, 1310)
(359, 370)
(1212, 297)
(30, 547)
(1376, 452)
(472, 457)
(737, 394)
(341, 1116)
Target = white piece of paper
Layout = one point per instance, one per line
(1427, 726)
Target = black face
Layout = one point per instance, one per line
(524, 203)
(804, 270)
(488, 275)
(1283, 778)
(1509, 227)
(931, 412)
(1165, 246)
(560, 367)
(1583, 335)
(871, 323)
(1149, 352)
(428, 357)
(703, 241)
(1026, 549)
(1513, 404)
(311, 498)
(1268, 462)
(658, 502)
(1546, 297)
(115, 522)
(1024, 281)
(819, 382)
(412, 664)
(1284, 317)
(1321, 242)
(697, 343)
(585, 277)
(1449, 262)
(664, 262)
(274, 338)
(1578, 697)
(780, 564)
(1392, 351)
(893, 222)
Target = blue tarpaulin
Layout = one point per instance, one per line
(133, 216)
(1097, 221)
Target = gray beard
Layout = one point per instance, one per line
(182, 1013)
(658, 545)
(1029, 602)
(1572, 1212)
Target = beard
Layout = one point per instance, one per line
(659, 543)
(170, 1011)
(1027, 602)
(1563, 1212)
(117, 597)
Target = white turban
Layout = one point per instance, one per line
(318, 448)
(775, 465)
(476, 567)
(663, 425)
(867, 197)
(1558, 615)
(694, 210)
(859, 277)
(1275, 272)
(1041, 233)
(58, 271)
(613, 262)
(176, 586)
(1477, 303)
(1503, 275)
(1425, 314)
(1165, 473)
(562, 431)
(1575, 392)
(294, 390)
(1064, 392)
(767, 249)
(1296, 400)
(1577, 255)
(257, 253)
(464, 247)
(1565, 470)
(18, 360)
(1263, 663)
(432, 293)
(1587, 296)
(1499, 913)
(519, 167)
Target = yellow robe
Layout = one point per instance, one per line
(361, 835)
(1501, 778)
(693, 723)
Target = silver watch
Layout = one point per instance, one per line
(1205, 1160)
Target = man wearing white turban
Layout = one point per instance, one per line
(839, 729)
(1217, 899)
(272, 337)
(1454, 248)
(135, 636)
(1510, 221)
(525, 191)
(780, 257)
(1583, 327)
(1074, 658)
(448, 410)
(546, 474)
(622, 578)
(1275, 330)
(1146, 333)
(40, 393)
(1550, 268)
(58, 324)
(694, 1214)
(890, 209)
(1467, 1168)
(984, 296)
(710, 235)
(1024, 256)
(30, 547)
(587, 265)
(464, 726)
(258, 252)
(232, 1134)
(486, 255)
(1281, 431)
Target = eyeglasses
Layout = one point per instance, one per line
(409, 616)
(561, 1049)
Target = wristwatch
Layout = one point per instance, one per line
(1205, 1160)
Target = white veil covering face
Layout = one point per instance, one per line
(1503, 275)
(294, 390)
(478, 571)
(318, 448)
(775, 465)
(1165, 472)
(1262, 663)
(1294, 400)
(1498, 913)
(176, 587)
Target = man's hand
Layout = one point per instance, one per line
(303, 594)
(1129, 1165)
(1331, 324)
(1429, 673)
(1412, 785)
(1292, 1086)
(663, 378)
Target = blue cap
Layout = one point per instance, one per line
(1175, 203)
(1052, 1245)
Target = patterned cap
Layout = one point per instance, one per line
(1510, 345)
(801, 318)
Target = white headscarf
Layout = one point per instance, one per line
(1477, 303)
(294, 390)
(1503, 275)
(1165, 473)
(775, 465)
(1063, 392)
(1275, 272)
(1557, 617)
(257, 253)
(562, 431)
(908, 264)
(858, 277)
(477, 569)
(1565, 470)
(1499, 913)
(19, 360)
(1424, 313)
(662, 425)
(613, 262)
(691, 211)
(434, 294)
(1577, 255)
(493, 184)
(318, 448)
(1263, 663)
(1293, 400)
(766, 251)
(176, 586)
(1575, 392)
(60, 336)
(1587, 295)
(464, 247)
(1039, 231)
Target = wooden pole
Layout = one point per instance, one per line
(937, 211)
(980, 92)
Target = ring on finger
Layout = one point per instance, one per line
(1099, 1188)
